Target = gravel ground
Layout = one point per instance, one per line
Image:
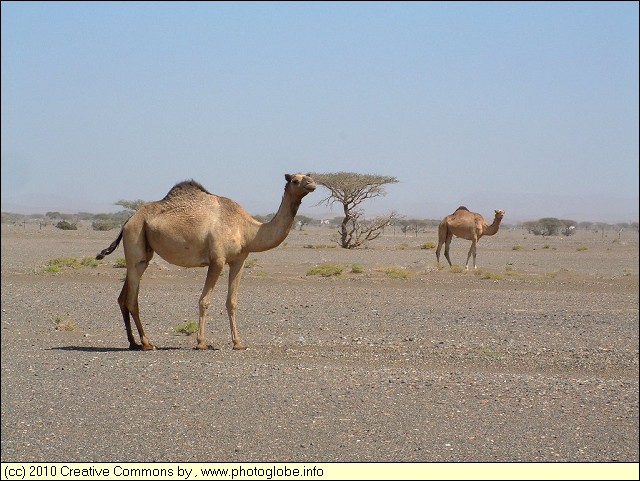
(532, 359)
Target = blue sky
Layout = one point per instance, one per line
(527, 107)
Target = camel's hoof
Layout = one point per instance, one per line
(202, 347)
(135, 347)
(239, 347)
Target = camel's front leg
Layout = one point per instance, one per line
(205, 298)
(235, 274)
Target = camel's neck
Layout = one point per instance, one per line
(493, 228)
(272, 233)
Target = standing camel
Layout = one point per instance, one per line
(466, 225)
(191, 227)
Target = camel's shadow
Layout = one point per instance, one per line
(107, 349)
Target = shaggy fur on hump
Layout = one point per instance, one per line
(184, 187)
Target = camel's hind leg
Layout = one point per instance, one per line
(438, 250)
(442, 236)
(447, 244)
(122, 301)
(213, 273)
(472, 251)
(128, 301)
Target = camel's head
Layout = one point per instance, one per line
(300, 184)
(499, 214)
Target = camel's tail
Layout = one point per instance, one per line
(111, 248)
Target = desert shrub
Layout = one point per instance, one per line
(62, 262)
(187, 328)
(581, 248)
(457, 269)
(249, 263)
(357, 268)
(516, 247)
(64, 225)
(89, 262)
(491, 354)
(428, 245)
(326, 270)
(403, 246)
(63, 324)
(394, 272)
(397, 273)
(513, 274)
(120, 262)
(485, 274)
(104, 224)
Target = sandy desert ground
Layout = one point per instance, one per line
(533, 358)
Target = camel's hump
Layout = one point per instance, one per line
(462, 207)
(185, 187)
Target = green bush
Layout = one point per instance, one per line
(104, 224)
(64, 225)
(187, 328)
(60, 263)
(326, 270)
(89, 262)
(397, 273)
(357, 268)
(485, 274)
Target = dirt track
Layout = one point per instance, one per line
(535, 358)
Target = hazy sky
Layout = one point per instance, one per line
(527, 107)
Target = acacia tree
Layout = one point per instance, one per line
(133, 205)
(350, 189)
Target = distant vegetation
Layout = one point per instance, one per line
(63, 221)
(547, 226)
(64, 225)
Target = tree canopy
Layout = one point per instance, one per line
(351, 189)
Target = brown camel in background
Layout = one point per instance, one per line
(191, 227)
(466, 225)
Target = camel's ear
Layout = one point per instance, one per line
(287, 177)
